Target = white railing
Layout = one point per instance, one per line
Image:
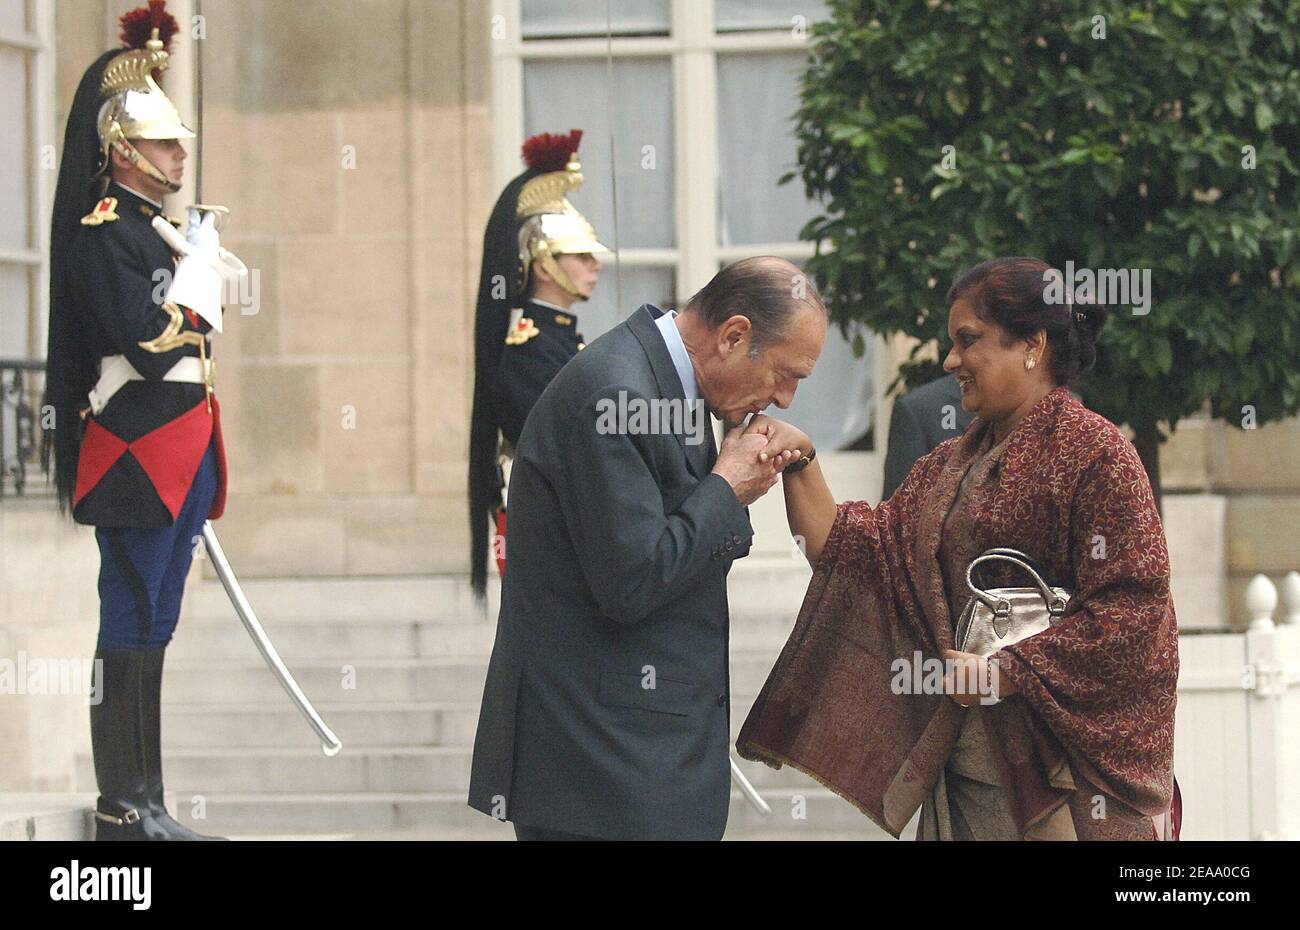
(1237, 733)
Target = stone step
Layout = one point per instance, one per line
(218, 681)
(454, 678)
(55, 815)
(360, 599)
(396, 666)
(344, 640)
(299, 639)
(358, 769)
(445, 815)
(194, 772)
(253, 726)
(770, 585)
(47, 816)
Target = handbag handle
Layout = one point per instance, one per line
(1000, 607)
(1016, 553)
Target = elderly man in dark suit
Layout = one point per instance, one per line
(606, 709)
(923, 418)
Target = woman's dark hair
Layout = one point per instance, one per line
(1012, 292)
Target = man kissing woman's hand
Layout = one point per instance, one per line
(785, 443)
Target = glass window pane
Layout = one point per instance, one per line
(639, 285)
(549, 19)
(15, 290)
(742, 15)
(15, 154)
(563, 95)
(836, 405)
(13, 16)
(756, 147)
(15, 310)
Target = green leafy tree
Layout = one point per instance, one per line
(1155, 135)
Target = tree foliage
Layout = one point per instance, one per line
(1132, 150)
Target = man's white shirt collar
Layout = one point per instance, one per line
(677, 351)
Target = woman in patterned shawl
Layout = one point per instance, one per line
(1079, 744)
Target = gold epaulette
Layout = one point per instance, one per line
(105, 212)
(521, 332)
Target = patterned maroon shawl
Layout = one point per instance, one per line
(1096, 690)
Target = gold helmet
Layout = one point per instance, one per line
(551, 226)
(134, 106)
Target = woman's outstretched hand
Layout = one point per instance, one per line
(809, 507)
(781, 437)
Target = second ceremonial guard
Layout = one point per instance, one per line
(540, 257)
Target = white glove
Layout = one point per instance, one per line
(202, 232)
(198, 285)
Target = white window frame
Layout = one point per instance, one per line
(692, 45)
(38, 44)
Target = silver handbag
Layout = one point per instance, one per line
(997, 617)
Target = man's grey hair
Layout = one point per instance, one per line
(765, 290)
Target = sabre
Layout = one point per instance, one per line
(746, 788)
(330, 744)
(229, 266)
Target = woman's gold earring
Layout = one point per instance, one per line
(1029, 364)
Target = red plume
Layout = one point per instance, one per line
(548, 152)
(139, 24)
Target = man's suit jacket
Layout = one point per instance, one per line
(606, 707)
(917, 426)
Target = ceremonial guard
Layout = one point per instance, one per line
(137, 436)
(540, 257)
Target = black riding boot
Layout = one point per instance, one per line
(121, 812)
(151, 725)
